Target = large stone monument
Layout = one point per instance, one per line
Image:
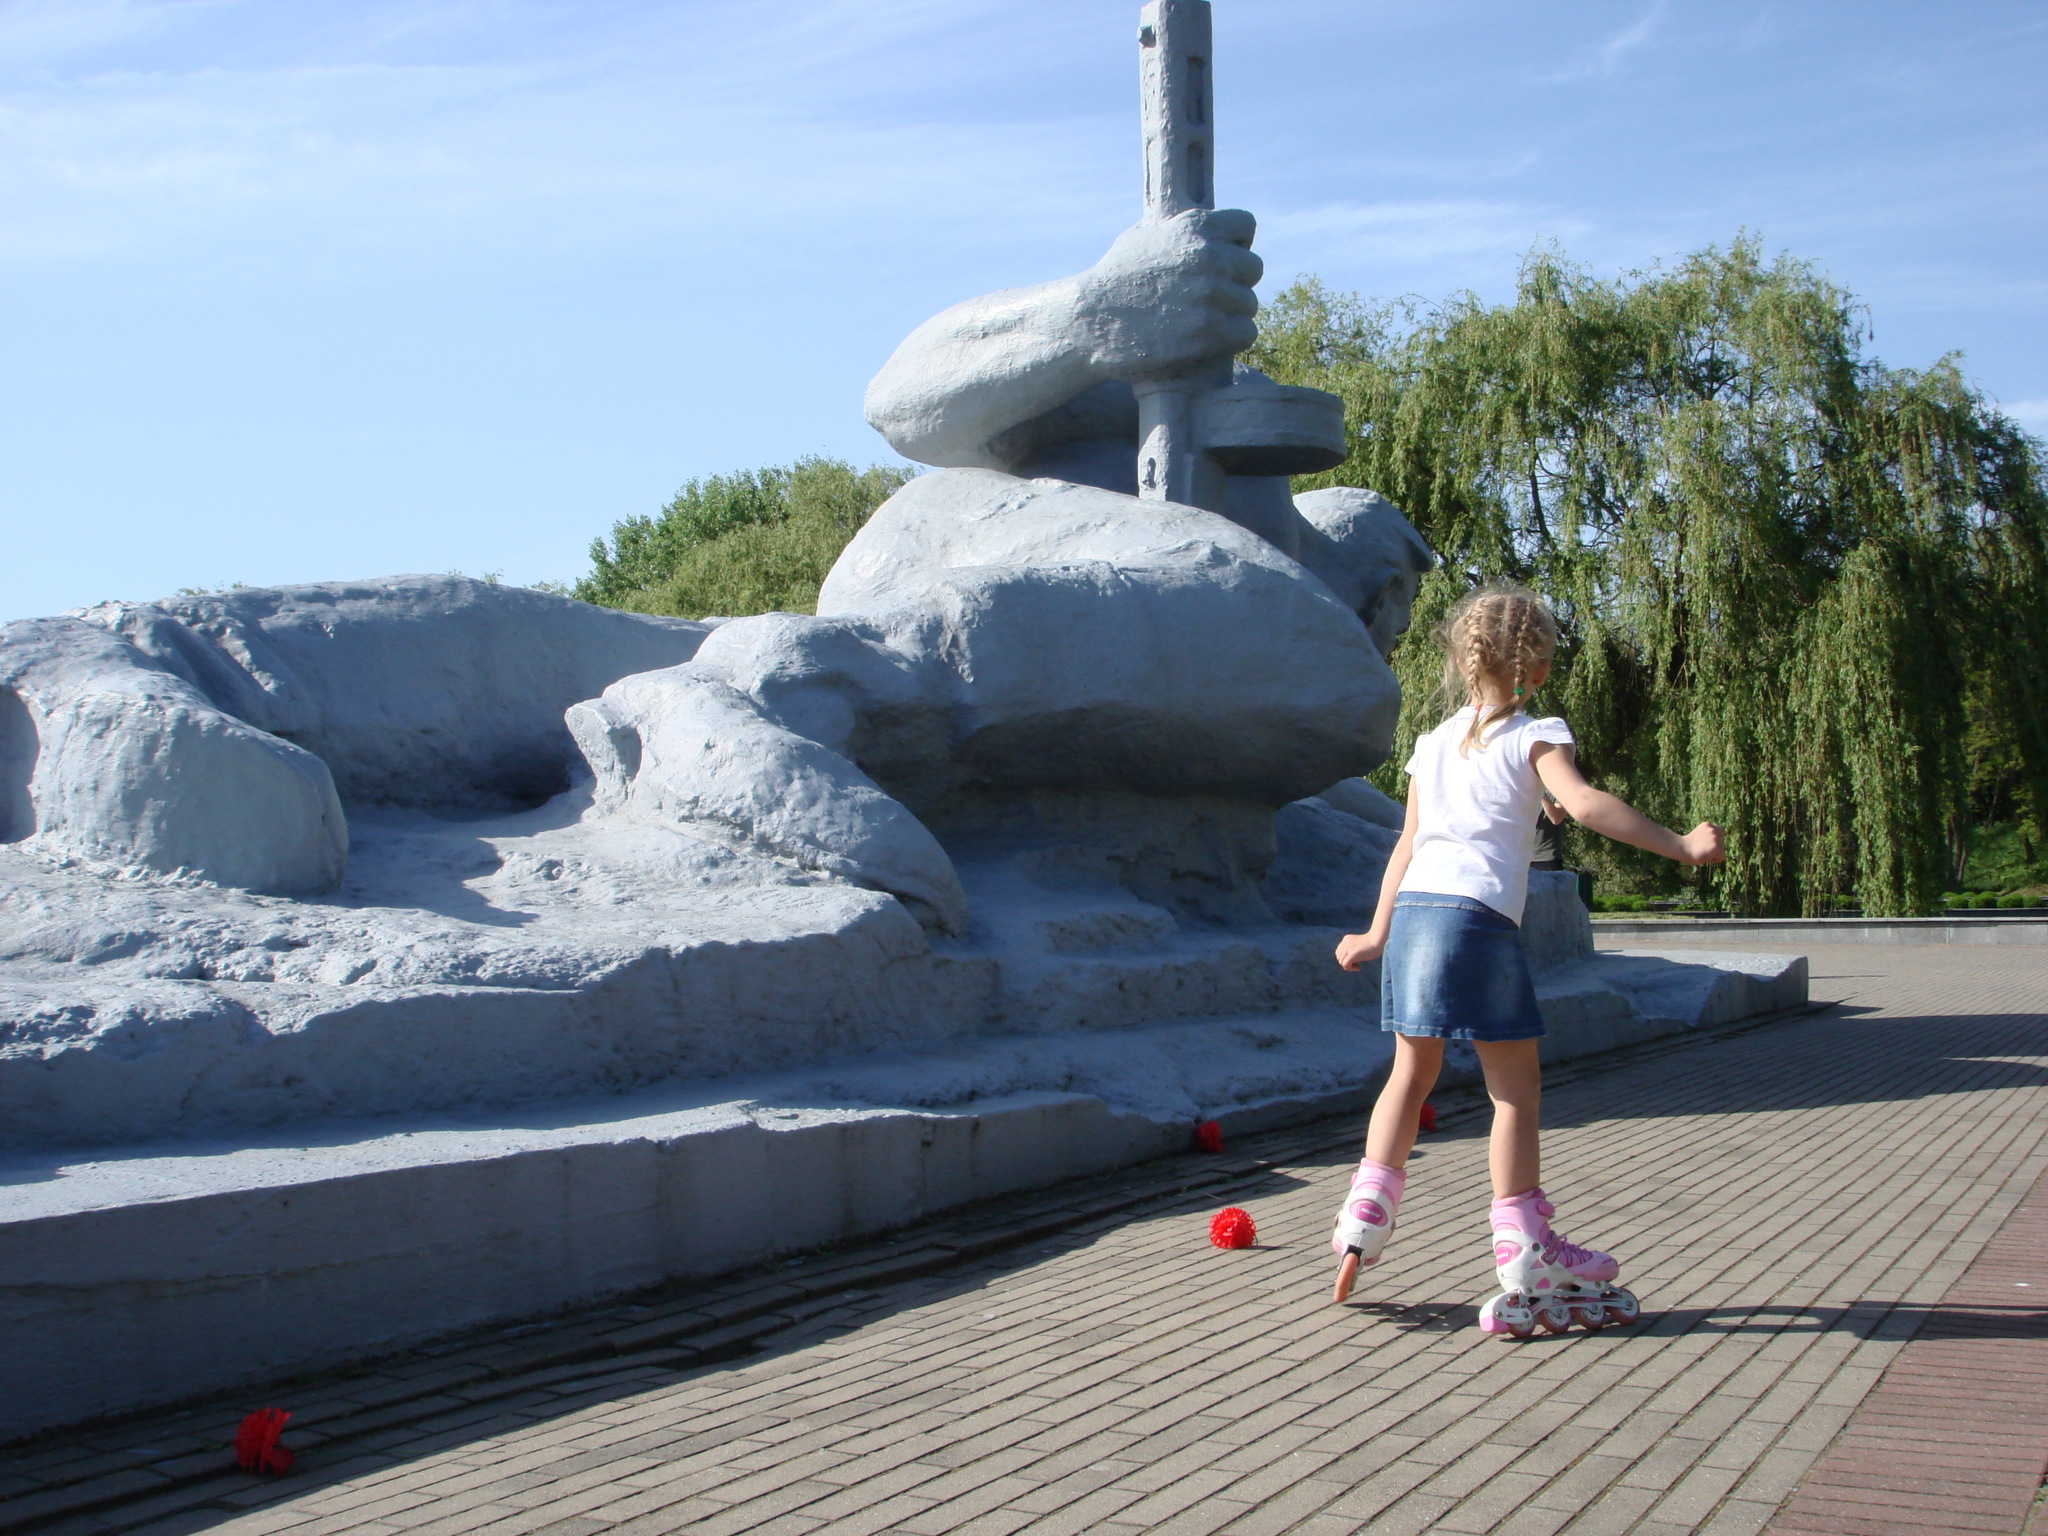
(387, 957)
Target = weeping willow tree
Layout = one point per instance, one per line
(1791, 582)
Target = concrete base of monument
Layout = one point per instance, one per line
(148, 1274)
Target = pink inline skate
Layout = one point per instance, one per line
(1545, 1281)
(1365, 1220)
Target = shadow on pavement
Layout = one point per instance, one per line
(1845, 1055)
(1865, 1320)
(1840, 1057)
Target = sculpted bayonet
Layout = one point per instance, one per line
(1178, 103)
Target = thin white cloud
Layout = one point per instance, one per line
(2032, 415)
(749, 123)
(1429, 248)
(1421, 229)
(43, 33)
(1761, 29)
(1612, 51)
(1630, 38)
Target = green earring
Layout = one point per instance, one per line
(1518, 693)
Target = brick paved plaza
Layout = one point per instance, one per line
(1793, 1203)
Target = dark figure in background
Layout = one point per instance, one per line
(1549, 836)
(1549, 852)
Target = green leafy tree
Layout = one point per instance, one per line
(1801, 594)
(759, 541)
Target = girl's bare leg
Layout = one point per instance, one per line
(1388, 1141)
(1391, 1135)
(1514, 1081)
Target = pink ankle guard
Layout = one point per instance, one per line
(1378, 1186)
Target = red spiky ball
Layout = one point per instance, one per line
(256, 1445)
(1232, 1228)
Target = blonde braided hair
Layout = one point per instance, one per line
(1497, 634)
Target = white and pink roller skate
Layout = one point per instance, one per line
(1366, 1220)
(1545, 1281)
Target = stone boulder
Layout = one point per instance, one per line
(1003, 666)
(1327, 865)
(220, 736)
(685, 750)
(436, 692)
(111, 757)
(1087, 640)
(1361, 798)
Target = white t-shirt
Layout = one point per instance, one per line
(1475, 829)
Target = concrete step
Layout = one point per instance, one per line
(153, 1273)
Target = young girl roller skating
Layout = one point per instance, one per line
(1447, 926)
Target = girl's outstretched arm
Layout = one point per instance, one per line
(1355, 949)
(1613, 817)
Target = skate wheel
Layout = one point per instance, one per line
(1621, 1308)
(1592, 1318)
(1347, 1275)
(1506, 1317)
(1554, 1318)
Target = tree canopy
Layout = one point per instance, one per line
(758, 541)
(1800, 593)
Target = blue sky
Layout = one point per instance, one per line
(303, 289)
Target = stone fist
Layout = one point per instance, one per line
(1171, 295)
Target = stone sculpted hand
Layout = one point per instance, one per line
(1171, 295)
(1167, 296)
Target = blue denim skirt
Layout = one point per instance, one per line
(1454, 969)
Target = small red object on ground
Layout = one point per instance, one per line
(1208, 1137)
(1232, 1228)
(1428, 1117)
(256, 1447)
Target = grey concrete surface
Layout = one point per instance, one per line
(439, 693)
(109, 758)
(139, 1274)
(1104, 1370)
(2020, 928)
(218, 738)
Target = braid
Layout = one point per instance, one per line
(1497, 633)
(1509, 615)
(1520, 646)
(1484, 613)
